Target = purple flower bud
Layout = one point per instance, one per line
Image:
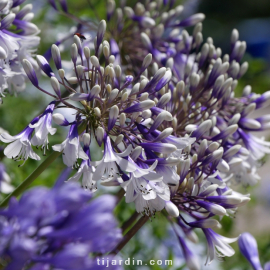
(140, 106)
(100, 135)
(248, 247)
(164, 148)
(94, 92)
(56, 86)
(74, 53)
(60, 120)
(114, 112)
(78, 42)
(232, 151)
(212, 207)
(24, 11)
(267, 266)
(56, 56)
(164, 80)
(144, 21)
(263, 100)
(17, 3)
(224, 134)
(79, 97)
(208, 190)
(228, 200)
(249, 124)
(100, 33)
(63, 4)
(192, 20)
(202, 129)
(184, 166)
(53, 4)
(44, 65)
(30, 72)
(110, 9)
(164, 100)
(204, 223)
(7, 21)
(157, 77)
(163, 116)
(147, 61)
(27, 28)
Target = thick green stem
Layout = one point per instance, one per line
(120, 194)
(129, 222)
(29, 180)
(130, 234)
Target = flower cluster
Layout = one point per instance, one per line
(162, 110)
(18, 40)
(57, 228)
(116, 112)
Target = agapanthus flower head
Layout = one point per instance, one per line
(156, 27)
(57, 228)
(117, 111)
(18, 41)
(155, 112)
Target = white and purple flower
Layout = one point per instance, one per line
(71, 147)
(20, 145)
(43, 127)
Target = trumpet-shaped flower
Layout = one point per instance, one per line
(71, 147)
(20, 145)
(218, 245)
(43, 127)
(107, 168)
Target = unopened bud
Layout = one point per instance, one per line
(95, 62)
(61, 73)
(99, 135)
(86, 139)
(97, 111)
(59, 119)
(147, 60)
(171, 209)
(119, 139)
(122, 119)
(56, 86)
(87, 52)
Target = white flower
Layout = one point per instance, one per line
(43, 127)
(71, 147)
(146, 188)
(20, 145)
(218, 245)
(107, 169)
(86, 170)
